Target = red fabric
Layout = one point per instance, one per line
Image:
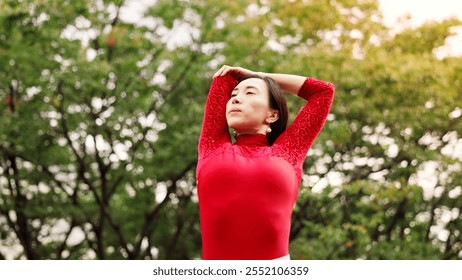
(247, 190)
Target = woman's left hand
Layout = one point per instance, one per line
(237, 72)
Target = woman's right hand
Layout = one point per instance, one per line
(237, 73)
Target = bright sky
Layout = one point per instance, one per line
(427, 10)
(421, 10)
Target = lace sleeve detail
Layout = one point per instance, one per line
(214, 126)
(295, 142)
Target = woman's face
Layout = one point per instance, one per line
(248, 110)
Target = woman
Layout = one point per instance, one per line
(247, 189)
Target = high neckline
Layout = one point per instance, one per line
(256, 139)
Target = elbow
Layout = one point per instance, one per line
(330, 91)
(331, 88)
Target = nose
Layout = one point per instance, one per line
(235, 99)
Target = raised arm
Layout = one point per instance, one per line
(296, 141)
(288, 83)
(214, 126)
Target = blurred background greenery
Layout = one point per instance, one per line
(101, 111)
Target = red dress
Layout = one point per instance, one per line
(247, 190)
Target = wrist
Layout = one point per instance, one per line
(262, 74)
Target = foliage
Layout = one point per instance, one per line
(101, 113)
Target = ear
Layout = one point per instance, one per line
(273, 116)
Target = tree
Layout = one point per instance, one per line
(89, 184)
(101, 115)
(395, 123)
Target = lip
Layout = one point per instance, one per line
(234, 111)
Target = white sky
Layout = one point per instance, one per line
(420, 10)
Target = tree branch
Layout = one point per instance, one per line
(149, 217)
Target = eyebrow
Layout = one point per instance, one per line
(247, 87)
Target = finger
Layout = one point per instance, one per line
(225, 70)
(220, 71)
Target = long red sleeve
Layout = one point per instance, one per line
(247, 190)
(295, 142)
(215, 127)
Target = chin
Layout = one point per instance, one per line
(237, 126)
(234, 125)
